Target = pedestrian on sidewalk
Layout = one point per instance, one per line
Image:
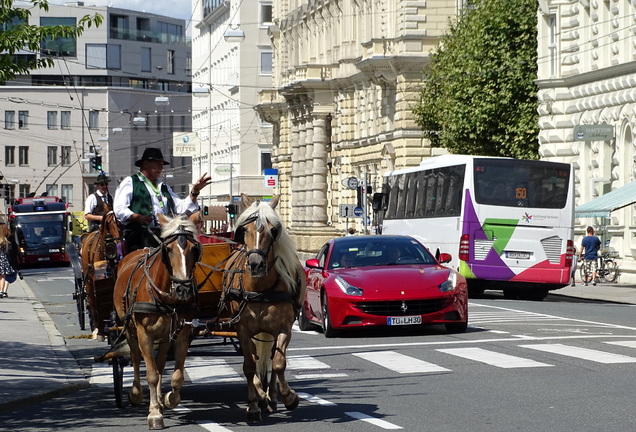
(575, 261)
(5, 266)
(590, 246)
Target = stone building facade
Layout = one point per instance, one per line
(346, 77)
(587, 59)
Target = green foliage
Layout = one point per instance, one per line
(16, 35)
(479, 95)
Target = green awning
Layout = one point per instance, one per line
(604, 205)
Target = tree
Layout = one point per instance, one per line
(479, 96)
(16, 34)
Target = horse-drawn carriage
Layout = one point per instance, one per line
(162, 298)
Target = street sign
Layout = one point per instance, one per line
(271, 177)
(350, 211)
(593, 132)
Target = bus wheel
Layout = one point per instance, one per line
(511, 294)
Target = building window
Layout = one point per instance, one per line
(60, 46)
(266, 13)
(183, 123)
(158, 123)
(23, 119)
(9, 155)
(552, 45)
(51, 189)
(67, 193)
(170, 62)
(266, 63)
(23, 155)
(66, 155)
(93, 119)
(25, 190)
(188, 70)
(146, 60)
(9, 119)
(51, 119)
(266, 161)
(51, 154)
(171, 123)
(103, 56)
(65, 122)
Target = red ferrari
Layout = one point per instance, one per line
(381, 281)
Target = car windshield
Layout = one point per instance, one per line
(379, 251)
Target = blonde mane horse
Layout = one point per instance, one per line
(155, 299)
(263, 286)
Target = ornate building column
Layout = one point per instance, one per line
(319, 171)
(307, 172)
(296, 166)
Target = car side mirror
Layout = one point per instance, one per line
(313, 263)
(444, 258)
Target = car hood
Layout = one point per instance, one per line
(387, 279)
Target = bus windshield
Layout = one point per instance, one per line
(34, 231)
(530, 184)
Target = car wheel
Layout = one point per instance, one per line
(327, 329)
(303, 322)
(458, 327)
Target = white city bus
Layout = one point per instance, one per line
(507, 222)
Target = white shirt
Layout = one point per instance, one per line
(91, 202)
(123, 196)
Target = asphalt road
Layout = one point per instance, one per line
(560, 364)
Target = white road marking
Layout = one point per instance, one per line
(209, 426)
(373, 420)
(315, 399)
(493, 358)
(102, 375)
(400, 363)
(300, 362)
(204, 370)
(629, 344)
(582, 353)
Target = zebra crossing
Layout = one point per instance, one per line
(206, 370)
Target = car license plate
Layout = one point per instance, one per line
(44, 259)
(518, 255)
(404, 320)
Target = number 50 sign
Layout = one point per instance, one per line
(271, 177)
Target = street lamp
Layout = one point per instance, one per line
(234, 34)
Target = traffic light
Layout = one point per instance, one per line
(205, 210)
(231, 210)
(97, 163)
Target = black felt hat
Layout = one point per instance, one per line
(152, 154)
(102, 178)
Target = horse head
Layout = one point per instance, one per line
(258, 229)
(180, 251)
(110, 232)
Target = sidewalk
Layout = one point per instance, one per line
(36, 365)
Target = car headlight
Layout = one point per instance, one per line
(347, 288)
(450, 284)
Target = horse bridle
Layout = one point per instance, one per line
(110, 243)
(239, 236)
(183, 237)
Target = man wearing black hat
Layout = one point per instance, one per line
(98, 203)
(140, 197)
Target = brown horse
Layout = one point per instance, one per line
(155, 299)
(99, 251)
(264, 285)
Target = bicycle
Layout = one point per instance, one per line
(607, 269)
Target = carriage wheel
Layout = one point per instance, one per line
(80, 299)
(118, 380)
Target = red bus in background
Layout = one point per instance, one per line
(39, 231)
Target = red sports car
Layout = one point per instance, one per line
(381, 281)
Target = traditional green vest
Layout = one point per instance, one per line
(141, 202)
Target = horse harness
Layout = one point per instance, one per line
(132, 305)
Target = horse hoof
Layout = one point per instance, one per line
(171, 400)
(293, 404)
(135, 398)
(155, 422)
(254, 416)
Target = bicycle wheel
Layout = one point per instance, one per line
(611, 271)
(586, 276)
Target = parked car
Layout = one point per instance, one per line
(381, 281)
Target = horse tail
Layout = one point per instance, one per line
(264, 352)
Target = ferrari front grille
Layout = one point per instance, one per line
(406, 307)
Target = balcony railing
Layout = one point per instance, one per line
(147, 36)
